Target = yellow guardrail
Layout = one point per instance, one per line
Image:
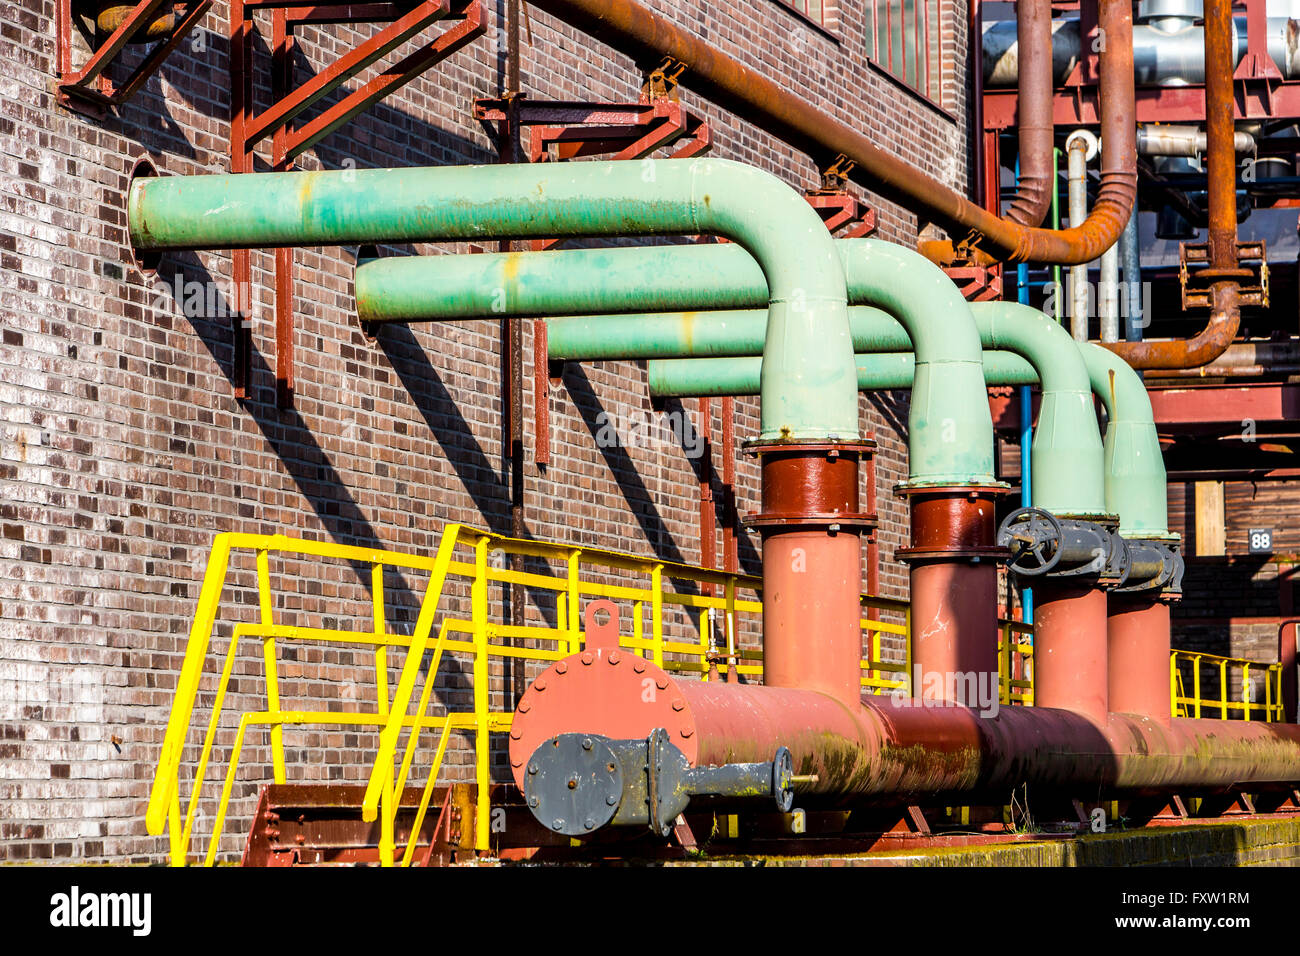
(1016, 663)
(692, 621)
(1222, 671)
(720, 612)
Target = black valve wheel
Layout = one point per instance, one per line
(782, 785)
(1034, 537)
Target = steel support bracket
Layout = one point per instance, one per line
(1197, 278)
(89, 90)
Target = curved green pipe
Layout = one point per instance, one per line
(1067, 448)
(809, 388)
(1133, 472)
(951, 432)
(1135, 476)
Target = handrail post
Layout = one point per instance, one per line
(657, 613)
(1196, 684)
(575, 602)
(478, 600)
(387, 806)
(166, 777)
(1174, 680)
(410, 671)
(267, 617)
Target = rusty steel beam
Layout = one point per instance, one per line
(635, 31)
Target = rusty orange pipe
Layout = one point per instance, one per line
(632, 29)
(899, 750)
(1034, 113)
(1221, 161)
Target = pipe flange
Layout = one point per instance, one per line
(632, 695)
(574, 783)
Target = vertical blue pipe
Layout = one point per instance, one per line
(1026, 426)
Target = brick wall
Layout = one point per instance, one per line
(123, 451)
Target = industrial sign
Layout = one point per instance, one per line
(1261, 540)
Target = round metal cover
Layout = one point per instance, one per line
(573, 783)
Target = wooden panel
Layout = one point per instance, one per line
(1211, 531)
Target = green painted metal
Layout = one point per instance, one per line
(668, 335)
(809, 381)
(1136, 483)
(1067, 449)
(1067, 445)
(877, 371)
(950, 428)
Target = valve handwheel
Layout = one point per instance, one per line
(1035, 536)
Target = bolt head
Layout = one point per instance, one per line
(586, 743)
(614, 657)
(539, 684)
(561, 667)
(533, 801)
(679, 705)
(662, 683)
(532, 768)
(589, 823)
(587, 657)
(638, 665)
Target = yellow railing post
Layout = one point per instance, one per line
(387, 806)
(575, 603)
(907, 649)
(410, 671)
(196, 650)
(1174, 681)
(267, 615)
(1223, 690)
(729, 596)
(478, 602)
(657, 612)
(1196, 684)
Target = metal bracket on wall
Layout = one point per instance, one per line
(846, 217)
(402, 21)
(107, 32)
(576, 129)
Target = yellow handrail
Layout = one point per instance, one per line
(703, 623)
(1223, 706)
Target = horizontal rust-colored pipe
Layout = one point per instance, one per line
(635, 31)
(899, 750)
(1224, 271)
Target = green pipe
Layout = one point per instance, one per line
(1067, 448)
(950, 428)
(877, 371)
(723, 332)
(809, 383)
(1136, 483)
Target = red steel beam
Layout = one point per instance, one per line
(391, 80)
(345, 67)
(1226, 405)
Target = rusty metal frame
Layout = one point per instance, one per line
(579, 129)
(404, 22)
(88, 89)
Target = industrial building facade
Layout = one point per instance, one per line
(126, 450)
(150, 403)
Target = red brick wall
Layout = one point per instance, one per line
(123, 450)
